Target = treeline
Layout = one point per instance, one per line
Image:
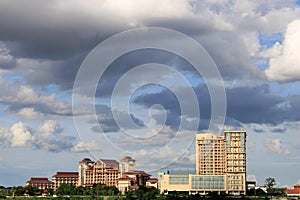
(95, 190)
(63, 189)
(21, 191)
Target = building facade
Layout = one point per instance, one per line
(152, 183)
(102, 171)
(132, 180)
(40, 183)
(293, 192)
(64, 177)
(220, 166)
(235, 161)
(127, 164)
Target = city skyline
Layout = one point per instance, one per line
(45, 127)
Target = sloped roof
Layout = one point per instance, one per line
(152, 180)
(66, 174)
(124, 178)
(39, 180)
(135, 172)
(127, 158)
(110, 163)
(293, 191)
(86, 160)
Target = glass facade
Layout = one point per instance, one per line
(208, 182)
(179, 179)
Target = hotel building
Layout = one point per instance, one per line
(40, 183)
(102, 171)
(65, 177)
(220, 166)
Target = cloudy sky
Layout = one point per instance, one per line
(254, 44)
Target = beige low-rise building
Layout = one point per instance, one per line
(152, 183)
(132, 180)
(64, 177)
(40, 183)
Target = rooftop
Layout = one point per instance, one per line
(135, 172)
(111, 163)
(38, 180)
(67, 174)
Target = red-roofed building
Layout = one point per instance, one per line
(65, 177)
(124, 184)
(41, 183)
(139, 177)
(293, 192)
(132, 180)
(152, 183)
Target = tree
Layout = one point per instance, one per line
(65, 189)
(18, 191)
(269, 184)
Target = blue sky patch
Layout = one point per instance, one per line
(267, 41)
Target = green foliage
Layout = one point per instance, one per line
(19, 190)
(99, 189)
(142, 193)
(65, 189)
(96, 190)
(269, 184)
(50, 191)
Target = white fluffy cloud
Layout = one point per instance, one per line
(46, 137)
(285, 60)
(50, 127)
(275, 146)
(29, 113)
(18, 135)
(21, 135)
(86, 146)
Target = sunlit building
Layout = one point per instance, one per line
(132, 180)
(65, 177)
(102, 171)
(40, 183)
(220, 166)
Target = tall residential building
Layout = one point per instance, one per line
(220, 166)
(102, 171)
(235, 161)
(210, 154)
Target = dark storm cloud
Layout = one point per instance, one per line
(278, 130)
(64, 32)
(254, 105)
(107, 121)
(135, 58)
(61, 73)
(259, 105)
(38, 29)
(259, 130)
(168, 100)
(244, 105)
(231, 54)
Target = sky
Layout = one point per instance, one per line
(105, 79)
